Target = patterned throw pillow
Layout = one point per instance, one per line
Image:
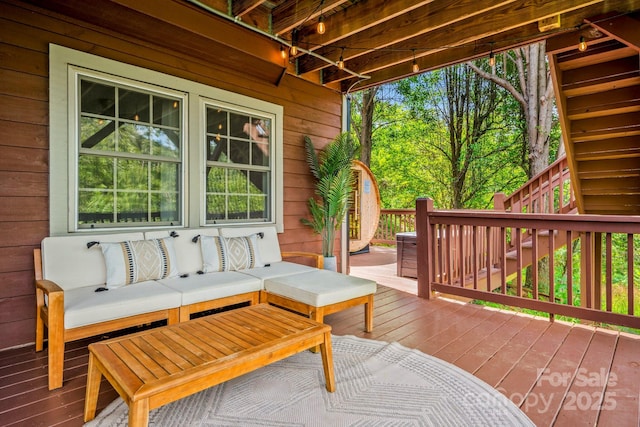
(230, 253)
(139, 260)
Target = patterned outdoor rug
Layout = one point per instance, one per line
(377, 384)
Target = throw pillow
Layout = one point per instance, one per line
(139, 260)
(230, 253)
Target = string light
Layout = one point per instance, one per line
(582, 46)
(283, 53)
(415, 67)
(492, 59)
(294, 43)
(321, 26)
(340, 62)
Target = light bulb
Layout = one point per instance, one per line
(582, 46)
(283, 53)
(294, 50)
(321, 27)
(492, 60)
(340, 63)
(415, 66)
(136, 117)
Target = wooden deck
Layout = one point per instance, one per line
(560, 374)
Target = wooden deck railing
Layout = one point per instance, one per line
(394, 221)
(482, 255)
(549, 192)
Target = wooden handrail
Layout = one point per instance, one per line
(393, 221)
(548, 192)
(482, 254)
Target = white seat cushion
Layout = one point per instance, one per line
(205, 287)
(278, 269)
(84, 306)
(320, 288)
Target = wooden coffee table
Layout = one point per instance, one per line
(155, 367)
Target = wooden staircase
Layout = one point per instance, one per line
(598, 99)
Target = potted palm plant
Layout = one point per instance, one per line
(331, 168)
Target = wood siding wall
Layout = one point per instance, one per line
(25, 34)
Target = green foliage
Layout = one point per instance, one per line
(334, 181)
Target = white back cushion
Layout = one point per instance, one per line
(67, 261)
(269, 246)
(188, 253)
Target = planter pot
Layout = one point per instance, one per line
(331, 263)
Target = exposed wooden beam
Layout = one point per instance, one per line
(390, 33)
(459, 33)
(358, 18)
(240, 8)
(596, 54)
(622, 28)
(294, 13)
(448, 57)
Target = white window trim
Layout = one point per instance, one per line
(62, 129)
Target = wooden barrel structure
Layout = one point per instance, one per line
(364, 212)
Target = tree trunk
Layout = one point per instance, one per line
(366, 130)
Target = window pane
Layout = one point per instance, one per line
(238, 125)
(132, 175)
(237, 207)
(259, 183)
(217, 149)
(165, 177)
(216, 207)
(164, 207)
(133, 105)
(95, 172)
(217, 121)
(237, 181)
(165, 142)
(133, 139)
(132, 207)
(258, 207)
(97, 98)
(95, 207)
(166, 112)
(216, 180)
(97, 134)
(239, 152)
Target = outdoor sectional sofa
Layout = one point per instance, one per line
(91, 284)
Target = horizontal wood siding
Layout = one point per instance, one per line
(25, 34)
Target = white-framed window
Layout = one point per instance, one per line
(238, 164)
(129, 160)
(135, 148)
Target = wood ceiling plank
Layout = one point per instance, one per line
(622, 28)
(362, 16)
(604, 85)
(458, 33)
(600, 128)
(616, 148)
(611, 102)
(240, 8)
(294, 13)
(598, 54)
(593, 73)
(421, 21)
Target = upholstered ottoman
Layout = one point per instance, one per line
(321, 292)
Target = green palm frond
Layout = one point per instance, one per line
(332, 170)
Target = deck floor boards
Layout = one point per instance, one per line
(507, 350)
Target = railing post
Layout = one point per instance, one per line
(424, 241)
(498, 201)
